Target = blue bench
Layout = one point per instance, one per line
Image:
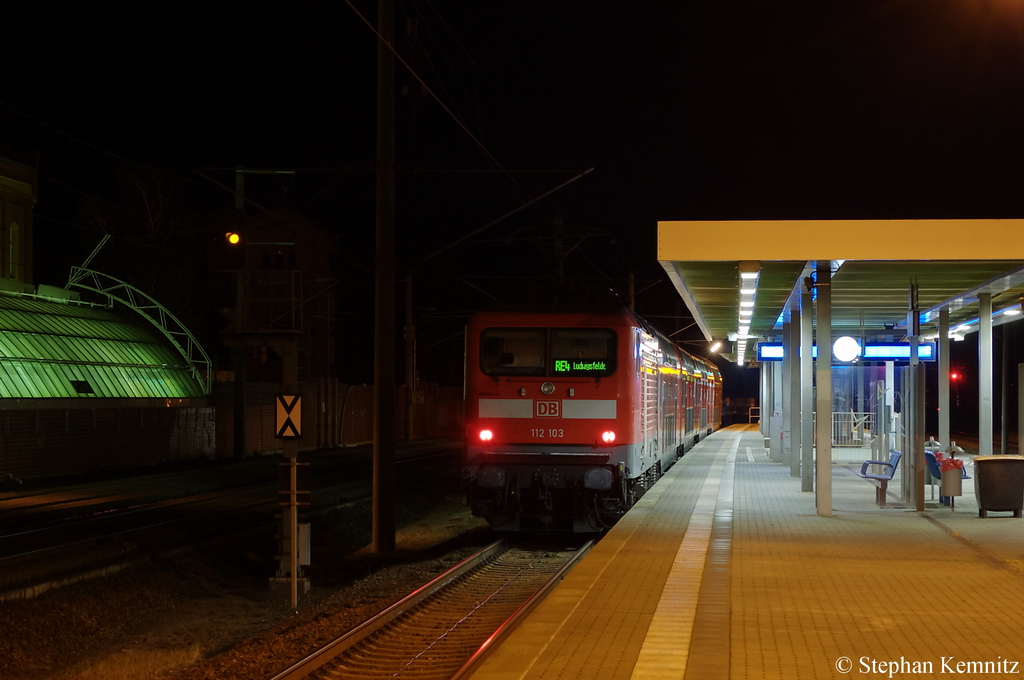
(881, 479)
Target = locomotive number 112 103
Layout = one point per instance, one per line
(541, 432)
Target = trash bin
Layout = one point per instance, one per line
(953, 482)
(999, 484)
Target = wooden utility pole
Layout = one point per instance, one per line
(238, 352)
(384, 352)
(410, 362)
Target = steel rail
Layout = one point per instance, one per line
(524, 610)
(325, 654)
(56, 537)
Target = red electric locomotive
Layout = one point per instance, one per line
(571, 416)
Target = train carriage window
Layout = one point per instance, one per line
(582, 352)
(513, 351)
(688, 364)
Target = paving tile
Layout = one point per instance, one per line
(796, 593)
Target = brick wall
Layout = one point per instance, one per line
(50, 442)
(333, 414)
(47, 442)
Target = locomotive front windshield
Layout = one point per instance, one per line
(582, 352)
(513, 351)
(554, 352)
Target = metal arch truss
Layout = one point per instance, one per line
(128, 295)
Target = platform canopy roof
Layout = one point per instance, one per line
(66, 349)
(874, 262)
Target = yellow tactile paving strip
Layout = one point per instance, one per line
(870, 592)
(594, 624)
(666, 648)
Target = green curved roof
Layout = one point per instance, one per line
(65, 350)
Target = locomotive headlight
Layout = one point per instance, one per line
(491, 478)
(547, 388)
(486, 435)
(608, 437)
(599, 479)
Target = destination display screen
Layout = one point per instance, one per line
(582, 352)
(576, 366)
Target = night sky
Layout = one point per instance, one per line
(739, 110)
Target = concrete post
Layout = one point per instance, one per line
(806, 392)
(793, 408)
(775, 425)
(891, 425)
(985, 374)
(944, 409)
(1020, 404)
(919, 406)
(763, 403)
(1004, 396)
(823, 463)
(788, 362)
(914, 486)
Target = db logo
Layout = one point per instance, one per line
(547, 409)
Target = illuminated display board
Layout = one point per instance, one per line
(579, 367)
(873, 351)
(890, 351)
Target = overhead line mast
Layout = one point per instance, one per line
(383, 530)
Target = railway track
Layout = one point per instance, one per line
(61, 535)
(443, 629)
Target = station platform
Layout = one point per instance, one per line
(725, 570)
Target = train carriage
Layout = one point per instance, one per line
(571, 416)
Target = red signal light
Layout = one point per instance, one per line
(608, 437)
(954, 376)
(486, 435)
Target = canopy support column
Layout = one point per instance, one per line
(944, 412)
(823, 464)
(792, 354)
(985, 374)
(806, 391)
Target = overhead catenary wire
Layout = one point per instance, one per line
(101, 149)
(493, 86)
(506, 215)
(112, 204)
(475, 65)
(482, 72)
(434, 96)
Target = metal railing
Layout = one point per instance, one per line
(152, 311)
(851, 428)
